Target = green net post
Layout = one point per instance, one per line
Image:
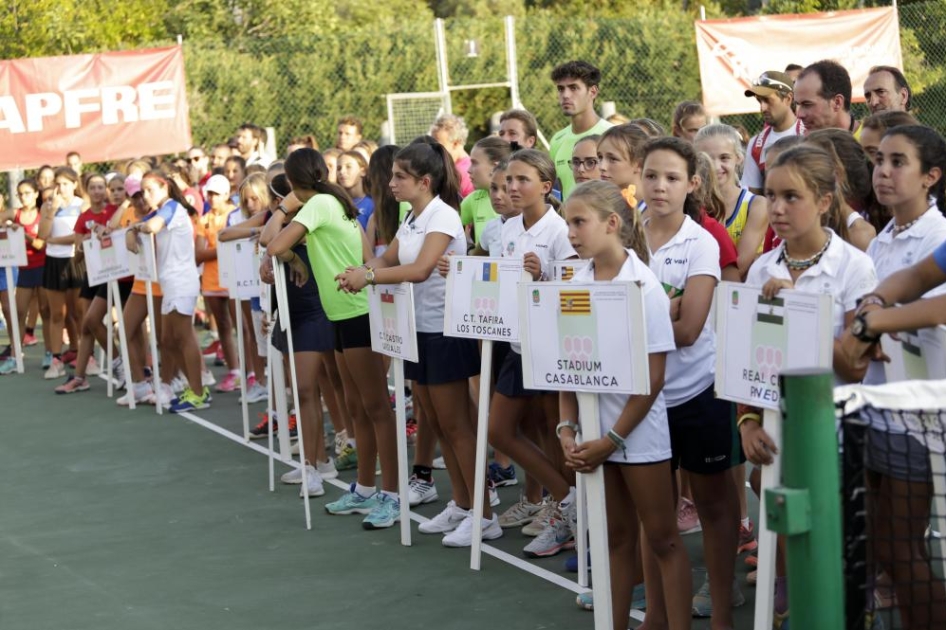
(806, 509)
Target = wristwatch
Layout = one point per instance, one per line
(369, 275)
(859, 329)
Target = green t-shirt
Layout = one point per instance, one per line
(403, 209)
(333, 243)
(561, 147)
(477, 209)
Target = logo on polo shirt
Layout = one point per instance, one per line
(675, 261)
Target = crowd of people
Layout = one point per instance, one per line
(817, 201)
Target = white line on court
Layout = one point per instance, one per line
(489, 550)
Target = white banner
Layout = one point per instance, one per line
(393, 328)
(481, 298)
(106, 259)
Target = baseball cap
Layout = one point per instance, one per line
(770, 82)
(132, 185)
(217, 184)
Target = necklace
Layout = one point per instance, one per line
(899, 229)
(803, 263)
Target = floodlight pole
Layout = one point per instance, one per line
(443, 77)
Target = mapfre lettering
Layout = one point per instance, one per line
(113, 105)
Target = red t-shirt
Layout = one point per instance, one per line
(727, 249)
(88, 219)
(772, 240)
(34, 257)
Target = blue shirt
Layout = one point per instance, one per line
(939, 255)
(365, 207)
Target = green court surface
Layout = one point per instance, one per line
(117, 519)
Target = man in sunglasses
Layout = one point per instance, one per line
(199, 164)
(774, 91)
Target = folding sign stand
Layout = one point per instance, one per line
(114, 300)
(771, 478)
(482, 431)
(400, 413)
(13, 254)
(16, 340)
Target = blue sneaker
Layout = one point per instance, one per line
(585, 600)
(47, 360)
(502, 476)
(385, 514)
(8, 366)
(571, 563)
(189, 401)
(353, 503)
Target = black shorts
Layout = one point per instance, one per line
(87, 292)
(311, 332)
(30, 278)
(509, 381)
(703, 436)
(352, 333)
(443, 360)
(60, 274)
(124, 291)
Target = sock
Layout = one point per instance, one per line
(235, 372)
(423, 472)
(391, 495)
(351, 443)
(29, 331)
(745, 522)
(365, 491)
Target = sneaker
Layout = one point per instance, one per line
(314, 480)
(347, 459)
(421, 491)
(189, 401)
(7, 366)
(541, 520)
(447, 521)
(30, 340)
(411, 430)
(47, 360)
(555, 538)
(230, 383)
(747, 540)
(178, 384)
(502, 477)
(352, 503)
(56, 370)
(688, 521)
(261, 431)
(92, 368)
(118, 373)
(295, 449)
(494, 499)
(752, 577)
(520, 514)
(218, 358)
(702, 604)
(69, 356)
(585, 601)
(256, 393)
(207, 378)
(462, 536)
(293, 425)
(571, 563)
(74, 384)
(142, 393)
(341, 441)
(327, 469)
(164, 396)
(212, 349)
(385, 514)
(439, 464)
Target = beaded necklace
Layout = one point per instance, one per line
(803, 263)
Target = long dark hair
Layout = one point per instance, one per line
(387, 210)
(174, 192)
(931, 147)
(306, 170)
(691, 206)
(424, 156)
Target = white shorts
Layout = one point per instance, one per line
(262, 341)
(184, 304)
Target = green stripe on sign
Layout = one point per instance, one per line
(770, 319)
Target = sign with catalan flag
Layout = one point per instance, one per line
(564, 270)
(391, 315)
(481, 298)
(587, 337)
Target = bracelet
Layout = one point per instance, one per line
(748, 417)
(567, 424)
(283, 209)
(871, 299)
(618, 442)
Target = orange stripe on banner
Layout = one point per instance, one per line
(575, 302)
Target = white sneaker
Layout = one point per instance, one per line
(493, 497)
(421, 491)
(462, 536)
(178, 384)
(118, 373)
(447, 521)
(314, 479)
(341, 441)
(327, 469)
(207, 378)
(296, 449)
(92, 368)
(142, 392)
(255, 394)
(164, 395)
(520, 514)
(293, 477)
(56, 370)
(439, 464)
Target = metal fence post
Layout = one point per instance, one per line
(806, 509)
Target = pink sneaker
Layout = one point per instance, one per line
(230, 383)
(74, 384)
(250, 381)
(688, 521)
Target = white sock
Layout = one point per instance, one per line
(745, 522)
(391, 495)
(351, 443)
(365, 491)
(569, 499)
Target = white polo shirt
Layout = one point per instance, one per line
(893, 252)
(650, 440)
(174, 245)
(691, 252)
(547, 238)
(64, 224)
(844, 272)
(431, 294)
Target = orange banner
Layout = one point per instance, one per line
(107, 106)
(735, 52)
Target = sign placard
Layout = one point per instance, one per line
(573, 340)
(564, 270)
(758, 338)
(919, 355)
(481, 298)
(143, 264)
(12, 248)
(106, 259)
(393, 328)
(239, 268)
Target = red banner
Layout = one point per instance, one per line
(107, 106)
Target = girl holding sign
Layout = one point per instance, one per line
(171, 223)
(538, 235)
(334, 242)
(636, 450)
(424, 177)
(685, 259)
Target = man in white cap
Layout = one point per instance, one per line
(774, 91)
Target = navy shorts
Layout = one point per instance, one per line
(30, 278)
(443, 360)
(509, 381)
(703, 436)
(352, 333)
(311, 332)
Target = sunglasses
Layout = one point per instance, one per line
(197, 159)
(588, 164)
(776, 84)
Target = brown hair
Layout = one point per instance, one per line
(707, 193)
(818, 169)
(605, 199)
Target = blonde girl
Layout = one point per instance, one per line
(620, 153)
